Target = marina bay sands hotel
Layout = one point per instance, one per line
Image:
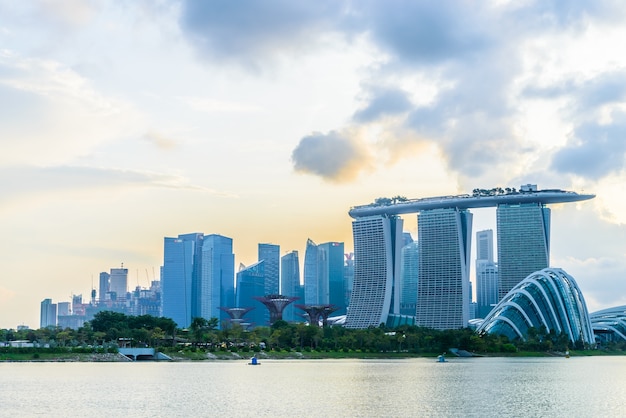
(444, 247)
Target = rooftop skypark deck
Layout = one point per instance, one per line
(480, 198)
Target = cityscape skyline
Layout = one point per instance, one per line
(124, 123)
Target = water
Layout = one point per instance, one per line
(480, 387)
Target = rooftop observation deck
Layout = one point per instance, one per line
(479, 199)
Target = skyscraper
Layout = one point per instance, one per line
(48, 314)
(330, 275)
(311, 265)
(409, 276)
(486, 274)
(118, 282)
(176, 279)
(444, 237)
(251, 284)
(218, 276)
(103, 287)
(271, 254)
(377, 243)
(290, 283)
(523, 242)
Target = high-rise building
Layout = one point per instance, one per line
(324, 275)
(271, 254)
(348, 275)
(311, 266)
(48, 314)
(176, 279)
(103, 287)
(375, 295)
(63, 308)
(486, 287)
(523, 242)
(331, 276)
(290, 283)
(486, 274)
(118, 282)
(218, 277)
(444, 237)
(251, 284)
(409, 276)
(484, 245)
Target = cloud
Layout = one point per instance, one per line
(387, 101)
(334, 156)
(596, 151)
(55, 112)
(249, 32)
(78, 180)
(160, 141)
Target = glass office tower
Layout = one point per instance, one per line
(251, 284)
(486, 274)
(270, 253)
(410, 264)
(176, 279)
(290, 284)
(218, 277)
(523, 242)
(444, 237)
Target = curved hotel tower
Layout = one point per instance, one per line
(444, 239)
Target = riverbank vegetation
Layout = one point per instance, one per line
(110, 330)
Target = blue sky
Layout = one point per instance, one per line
(124, 122)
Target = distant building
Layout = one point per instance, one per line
(443, 297)
(290, 284)
(48, 315)
(409, 276)
(523, 242)
(487, 295)
(375, 295)
(218, 276)
(63, 308)
(251, 284)
(311, 266)
(118, 282)
(103, 287)
(331, 276)
(270, 253)
(176, 282)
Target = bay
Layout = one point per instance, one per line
(476, 387)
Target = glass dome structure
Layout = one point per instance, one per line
(610, 324)
(550, 298)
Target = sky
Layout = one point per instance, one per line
(122, 123)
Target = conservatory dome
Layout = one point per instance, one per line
(549, 298)
(610, 324)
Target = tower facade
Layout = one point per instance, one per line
(523, 242)
(377, 244)
(176, 279)
(251, 284)
(217, 277)
(290, 283)
(486, 274)
(311, 265)
(118, 282)
(103, 286)
(444, 237)
(409, 277)
(331, 276)
(48, 314)
(270, 253)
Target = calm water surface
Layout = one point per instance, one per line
(480, 387)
